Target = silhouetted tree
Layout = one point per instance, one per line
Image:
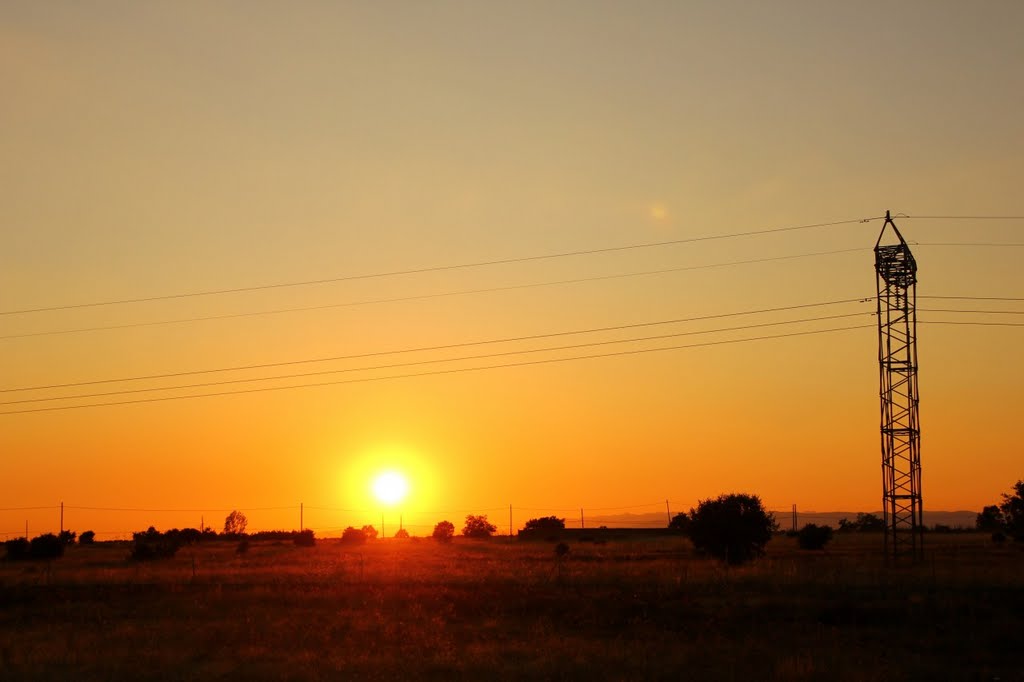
(235, 523)
(353, 536)
(48, 546)
(17, 548)
(865, 523)
(545, 523)
(869, 523)
(1013, 512)
(443, 531)
(732, 527)
(151, 545)
(680, 522)
(812, 536)
(87, 538)
(478, 527)
(304, 538)
(370, 532)
(67, 537)
(990, 519)
(402, 534)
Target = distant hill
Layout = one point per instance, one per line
(953, 519)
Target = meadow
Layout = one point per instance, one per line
(505, 609)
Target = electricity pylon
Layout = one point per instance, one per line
(896, 280)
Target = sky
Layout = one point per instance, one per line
(171, 148)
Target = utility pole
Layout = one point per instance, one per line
(668, 512)
(510, 520)
(902, 508)
(795, 524)
(302, 525)
(62, 518)
(581, 519)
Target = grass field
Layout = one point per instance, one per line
(500, 609)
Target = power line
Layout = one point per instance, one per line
(440, 268)
(960, 217)
(974, 298)
(443, 347)
(1012, 244)
(433, 373)
(189, 511)
(974, 324)
(420, 297)
(973, 312)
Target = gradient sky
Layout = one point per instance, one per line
(169, 147)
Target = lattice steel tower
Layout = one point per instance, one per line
(896, 280)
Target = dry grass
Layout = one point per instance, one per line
(509, 610)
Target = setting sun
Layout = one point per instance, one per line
(390, 487)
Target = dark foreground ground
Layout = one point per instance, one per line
(408, 609)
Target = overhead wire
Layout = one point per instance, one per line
(458, 370)
(440, 268)
(418, 297)
(449, 346)
(434, 361)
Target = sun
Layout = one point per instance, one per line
(390, 487)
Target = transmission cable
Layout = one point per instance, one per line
(421, 297)
(464, 344)
(457, 370)
(441, 268)
(435, 361)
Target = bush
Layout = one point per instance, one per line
(87, 538)
(370, 532)
(235, 523)
(812, 536)
(680, 523)
(17, 549)
(67, 537)
(1013, 512)
(243, 546)
(731, 527)
(305, 538)
(152, 545)
(443, 531)
(478, 527)
(545, 523)
(353, 536)
(402, 534)
(47, 546)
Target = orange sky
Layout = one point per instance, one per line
(165, 149)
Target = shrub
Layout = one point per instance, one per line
(17, 549)
(561, 549)
(305, 538)
(478, 527)
(1013, 512)
(87, 538)
(680, 523)
(243, 546)
(732, 527)
(545, 523)
(402, 534)
(152, 545)
(47, 546)
(235, 523)
(67, 537)
(812, 536)
(353, 536)
(443, 531)
(370, 532)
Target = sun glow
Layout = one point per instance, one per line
(390, 487)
